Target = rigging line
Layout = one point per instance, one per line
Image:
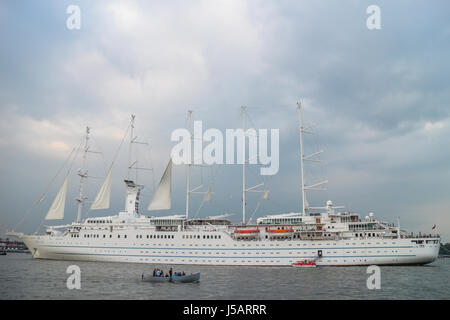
(97, 146)
(280, 205)
(257, 206)
(41, 198)
(68, 172)
(214, 176)
(115, 158)
(151, 166)
(265, 183)
(251, 121)
(121, 143)
(252, 169)
(136, 152)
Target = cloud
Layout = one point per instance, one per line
(432, 126)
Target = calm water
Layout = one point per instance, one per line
(22, 277)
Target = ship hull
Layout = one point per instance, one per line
(229, 252)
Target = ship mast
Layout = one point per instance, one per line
(302, 158)
(191, 162)
(83, 173)
(243, 165)
(130, 165)
(188, 167)
(133, 187)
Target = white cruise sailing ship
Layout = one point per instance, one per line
(330, 237)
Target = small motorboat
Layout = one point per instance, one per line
(2, 253)
(193, 277)
(305, 263)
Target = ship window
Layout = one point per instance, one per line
(118, 236)
(125, 236)
(147, 236)
(110, 235)
(104, 236)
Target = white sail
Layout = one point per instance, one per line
(102, 199)
(162, 198)
(56, 211)
(207, 197)
(266, 194)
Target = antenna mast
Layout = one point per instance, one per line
(83, 173)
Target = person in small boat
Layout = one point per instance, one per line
(170, 272)
(183, 274)
(162, 273)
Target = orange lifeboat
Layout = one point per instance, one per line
(246, 231)
(280, 230)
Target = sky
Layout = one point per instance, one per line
(378, 101)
